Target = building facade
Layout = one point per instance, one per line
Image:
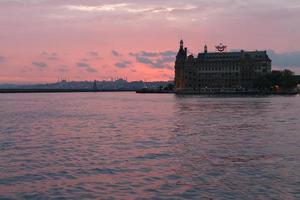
(219, 71)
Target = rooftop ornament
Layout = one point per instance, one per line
(221, 47)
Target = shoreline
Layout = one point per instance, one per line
(14, 91)
(7, 91)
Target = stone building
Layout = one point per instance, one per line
(219, 71)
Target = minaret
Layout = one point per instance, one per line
(205, 48)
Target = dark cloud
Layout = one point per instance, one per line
(93, 55)
(154, 54)
(144, 60)
(82, 64)
(53, 58)
(122, 64)
(91, 70)
(84, 60)
(50, 56)
(160, 60)
(40, 65)
(63, 69)
(115, 53)
(168, 53)
(149, 54)
(86, 66)
(286, 59)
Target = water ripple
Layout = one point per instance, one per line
(131, 146)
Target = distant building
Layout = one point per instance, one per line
(95, 85)
(219, 71)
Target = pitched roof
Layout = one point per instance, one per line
(256, 55)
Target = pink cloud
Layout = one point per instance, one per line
(103, 34)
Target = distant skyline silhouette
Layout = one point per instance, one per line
(88, 40)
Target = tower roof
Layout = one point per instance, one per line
(181, 53)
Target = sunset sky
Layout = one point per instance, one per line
(41, 40)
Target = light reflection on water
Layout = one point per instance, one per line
(133, 146)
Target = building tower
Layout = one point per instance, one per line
(179, 66)
(205, 49)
